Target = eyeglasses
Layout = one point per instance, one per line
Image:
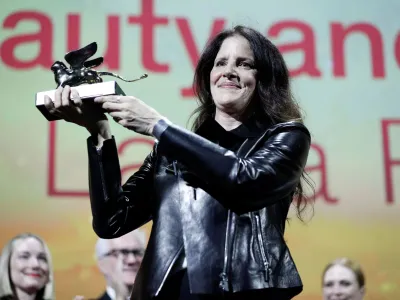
(125, 252)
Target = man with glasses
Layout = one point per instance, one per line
(119, 260)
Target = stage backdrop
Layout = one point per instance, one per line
(344, 57)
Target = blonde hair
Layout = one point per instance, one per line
(349, 264)
(6, 289)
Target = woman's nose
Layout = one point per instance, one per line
(229, 70)
(34, 262)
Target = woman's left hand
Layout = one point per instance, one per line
(130, 112)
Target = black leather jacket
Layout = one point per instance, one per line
(226, 210)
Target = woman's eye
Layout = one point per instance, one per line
(245, 64)
(43, 258)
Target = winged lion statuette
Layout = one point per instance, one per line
(80, 70)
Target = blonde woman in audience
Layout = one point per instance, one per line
(26, 270)
(343, 279)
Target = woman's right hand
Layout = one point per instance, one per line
(68, 105)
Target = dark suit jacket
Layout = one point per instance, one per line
(105, 296)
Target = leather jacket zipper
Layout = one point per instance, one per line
(173, 169)
(224, 282)
(260, 240)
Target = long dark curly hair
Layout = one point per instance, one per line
(272, 101)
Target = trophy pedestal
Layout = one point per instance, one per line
(86, 92)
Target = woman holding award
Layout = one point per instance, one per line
(218, 196)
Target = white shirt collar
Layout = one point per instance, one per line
(111, 293)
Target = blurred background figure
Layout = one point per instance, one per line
(343, 279)
(119, 260)
(26, 271)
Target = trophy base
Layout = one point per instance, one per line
(86, 92)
